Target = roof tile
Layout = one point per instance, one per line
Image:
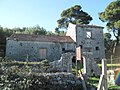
(40, 38)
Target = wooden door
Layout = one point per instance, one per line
(42, 52)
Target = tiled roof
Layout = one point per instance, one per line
(40, 38)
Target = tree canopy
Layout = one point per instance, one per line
(109, 44)
(111, 15)
(74, 15)
(37, 30)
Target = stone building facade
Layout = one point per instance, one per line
(90, 38)
(37, 47)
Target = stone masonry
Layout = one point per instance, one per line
(90, 66)
(64, 64)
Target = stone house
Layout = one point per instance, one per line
(90, 38)
(36, 47)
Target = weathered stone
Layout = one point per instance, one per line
(60, 80)
(78, 82)
(72, 82)
(64, 64)
(90, 66)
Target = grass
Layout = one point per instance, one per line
(114, 87)
(109, 65)
(95, 80)
(20, 63)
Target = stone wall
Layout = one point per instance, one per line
(14, 76)
(22, 50)
(61, 78)
(56, 81)
(64, 64)
(90, 66)
(94, 44)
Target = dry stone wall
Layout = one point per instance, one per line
(90, 66)
(59, 81)
(64, 64)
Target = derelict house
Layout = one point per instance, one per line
(36, 47)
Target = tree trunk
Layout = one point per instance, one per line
(118, 37)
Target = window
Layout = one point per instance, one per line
(89, 50)
(81, 46)
(20, 44)
(74, 59)
(9, 52)
(63, 49)
(42, 53)
(97, 48)
(89, 34)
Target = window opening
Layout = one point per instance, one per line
(63, 49)
(97, 48)
(89, 34)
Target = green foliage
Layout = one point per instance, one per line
(45, 61)
(109, 44)
(93, 81)
(45, 64)
(60, 33)
(74, 15)
(111, 16)
(110, 65)
(114, 87)
(35, 30)
(50, 33)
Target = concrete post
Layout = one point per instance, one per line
(103, 79)
(84, 66)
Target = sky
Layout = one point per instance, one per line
(45, 13)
